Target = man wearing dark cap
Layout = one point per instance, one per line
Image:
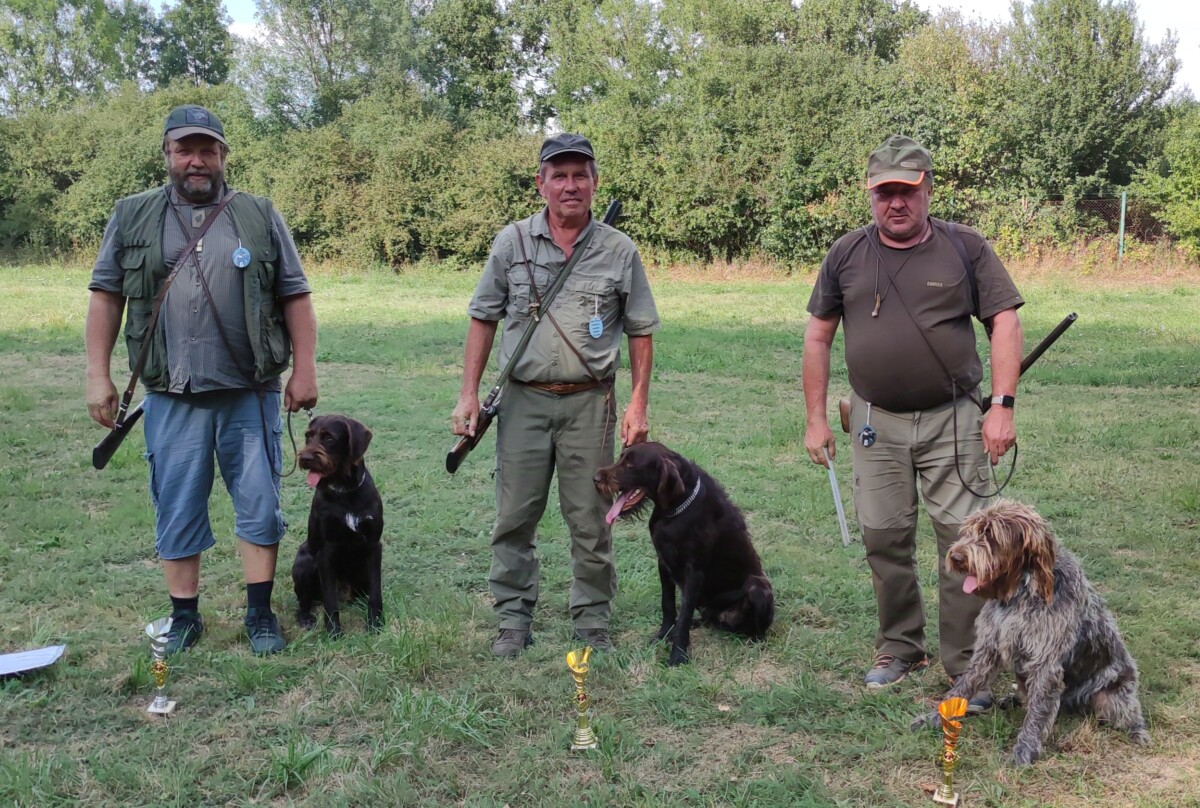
(906, 288)
(234, 304)
(558, 409)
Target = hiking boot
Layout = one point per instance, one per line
(512, 641)
(888, 670)
(186, 628)
(596, 637)
(263, 630)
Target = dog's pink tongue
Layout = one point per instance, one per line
(313, 479)
(970, 584)
(615, 510)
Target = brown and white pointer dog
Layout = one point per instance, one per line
(345, 523)
(701, 540)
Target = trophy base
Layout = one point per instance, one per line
(584, 739)
(950, 801)
(161, 709)
(584, 747)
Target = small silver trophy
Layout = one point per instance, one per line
(157, 631)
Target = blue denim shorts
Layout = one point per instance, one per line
(184, 433)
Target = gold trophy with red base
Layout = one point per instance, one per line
(584, 737)
(951, 712)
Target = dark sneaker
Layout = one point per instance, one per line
(981, 702)
(263, 630)
(888, 670)
(186, 628)
(512, 641)
(596, 637)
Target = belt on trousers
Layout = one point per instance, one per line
(566, 388)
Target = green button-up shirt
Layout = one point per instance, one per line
(608, 282)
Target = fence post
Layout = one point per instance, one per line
(1121, 232)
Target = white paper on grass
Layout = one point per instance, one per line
(22, 661)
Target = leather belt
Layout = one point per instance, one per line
(565, 388)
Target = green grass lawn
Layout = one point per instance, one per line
(423, 715)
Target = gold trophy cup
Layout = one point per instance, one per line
(157, 632)
(584, 738)
(951, 712)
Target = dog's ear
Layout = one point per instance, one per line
(1038, 546)
(359, 440)
(670, 484)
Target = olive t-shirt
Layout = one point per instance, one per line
(923, 287)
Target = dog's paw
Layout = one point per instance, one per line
(305, 620)
(924, 720)
(375, 623)
(335, 631)
(1139, 736)
(678, 657)
(1024, 755)
(663, 633)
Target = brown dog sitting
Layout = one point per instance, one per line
(701, 540)
(345, 524)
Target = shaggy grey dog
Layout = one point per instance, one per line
(1043, 621)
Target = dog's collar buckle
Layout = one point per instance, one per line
(684, 506)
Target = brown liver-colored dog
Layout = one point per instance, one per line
(701, 540)
(345, 524)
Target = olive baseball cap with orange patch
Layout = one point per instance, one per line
(900, 159)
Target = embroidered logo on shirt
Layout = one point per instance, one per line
(938, 284)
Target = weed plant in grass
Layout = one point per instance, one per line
(421, 714)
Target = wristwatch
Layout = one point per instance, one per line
(1007, 402)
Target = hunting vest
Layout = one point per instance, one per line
(140, 221)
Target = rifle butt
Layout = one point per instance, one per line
(105, 449)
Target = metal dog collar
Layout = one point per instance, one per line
(692, 498)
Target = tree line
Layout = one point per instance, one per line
(391, 131)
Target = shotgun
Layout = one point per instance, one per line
(490, 405)
(1026, 363)
(106, 448)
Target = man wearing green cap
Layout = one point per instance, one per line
(558, 409)
(906, 288)
(215, 300)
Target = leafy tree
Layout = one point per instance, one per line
(194, 43)
(1172, 183)
(1085, 93)
(867, 27)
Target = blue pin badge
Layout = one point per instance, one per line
(596, 325)
(241, 256)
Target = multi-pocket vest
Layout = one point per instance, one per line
(140, 220)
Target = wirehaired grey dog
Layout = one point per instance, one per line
(1043, 621)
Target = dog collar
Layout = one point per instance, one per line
(337, 489)
(692, 498)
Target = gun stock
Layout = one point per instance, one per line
(106, 448)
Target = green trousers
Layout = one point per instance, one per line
(538, 432)
(911, 447)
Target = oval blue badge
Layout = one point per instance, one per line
(241, 258)
(595, 327)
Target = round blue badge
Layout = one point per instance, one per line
(595, 327)
(241, 258)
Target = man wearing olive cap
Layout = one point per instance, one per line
(906, 288)
(235, 306)
(558, 409)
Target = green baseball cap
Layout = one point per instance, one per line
(190, 119)
(900, 159)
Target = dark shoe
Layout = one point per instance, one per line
(186, 628)
(596, 637)
(888, 670)
(512, 641)
(980, 703)
(263, 630)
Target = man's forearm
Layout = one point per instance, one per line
(100, 332)
(301, 323)
(1007, 342)
(641, 362)
(480, 336)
